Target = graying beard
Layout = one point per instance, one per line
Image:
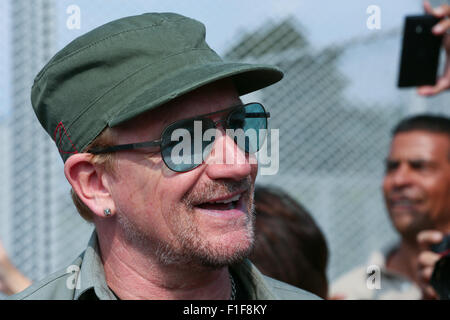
(191, 251)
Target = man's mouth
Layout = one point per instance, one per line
(226, 205)
(403, 203)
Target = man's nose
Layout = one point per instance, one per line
(227, 160)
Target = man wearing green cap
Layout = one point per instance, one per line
(173, 220)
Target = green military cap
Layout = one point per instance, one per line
(126, 67)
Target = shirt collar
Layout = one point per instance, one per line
(92, 273)
(254, 281)
(92, 277)
(396, 285)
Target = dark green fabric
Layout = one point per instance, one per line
(126, 67)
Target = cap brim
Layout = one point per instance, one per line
(246, 77)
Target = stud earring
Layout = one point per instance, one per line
(107, 212)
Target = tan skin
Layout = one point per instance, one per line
(11, 279)
(443, 82)
(417, 193)
(427, 259)
(145, 192)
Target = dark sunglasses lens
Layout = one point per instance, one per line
(182, 145)
(249, 124)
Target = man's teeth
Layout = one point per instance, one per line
(235, 198)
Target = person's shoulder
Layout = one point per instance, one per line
(288, 292)
(351, 284)
(355, 274)
(59, 285)
(270, 288)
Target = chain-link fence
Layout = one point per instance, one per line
(334, 109)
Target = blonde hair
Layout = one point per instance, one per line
(106, 160)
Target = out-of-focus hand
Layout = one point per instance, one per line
(3, 269)
(427, 260)
(441, 28)
(337, 296)
(11, 280)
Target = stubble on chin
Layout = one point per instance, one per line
(418, 221)
(187, 245)
(190, 246)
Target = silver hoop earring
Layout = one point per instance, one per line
(107, 212)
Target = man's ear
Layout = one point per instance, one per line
(89, 183)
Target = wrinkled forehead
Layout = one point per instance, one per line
(207, 99)
(420, 145)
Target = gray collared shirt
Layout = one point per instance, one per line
(392, 286)
(85, 279)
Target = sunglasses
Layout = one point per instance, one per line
(185, 144)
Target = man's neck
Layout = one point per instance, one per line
(404, 260)
(131, 275)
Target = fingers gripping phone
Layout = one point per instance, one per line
(420, 52)
(440, 278)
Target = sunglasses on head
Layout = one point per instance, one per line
(180, 147)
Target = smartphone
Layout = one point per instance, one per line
(442, 247)
(420, 52)
(440, 278)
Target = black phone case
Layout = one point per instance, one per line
(440, 278)
(420, 52)
(442, 246)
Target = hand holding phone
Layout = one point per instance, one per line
(442, 28)
(440, 279)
